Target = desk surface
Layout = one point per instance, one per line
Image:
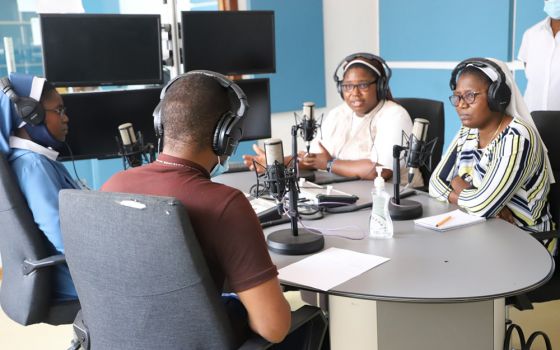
(485, 261)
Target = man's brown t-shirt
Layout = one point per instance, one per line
(226, 226)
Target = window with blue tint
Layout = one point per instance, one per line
(101, 6)
(445, 30)
(300, 57)
(17, 25)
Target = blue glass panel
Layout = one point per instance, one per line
(432, 84)
(445, 30)
(300, 61)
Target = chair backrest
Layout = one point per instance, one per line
(26, 299)
(139, 272)
(548, 124)
(433, 111)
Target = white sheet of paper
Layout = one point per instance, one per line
(329, 268)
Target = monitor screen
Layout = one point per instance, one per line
(257, 122)
(229, 42)
(95, 117)
(101, 49)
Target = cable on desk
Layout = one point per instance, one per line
(275, 222)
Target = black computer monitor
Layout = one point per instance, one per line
(95, 117)
(229, 42)
(101, 49)
(257, 122)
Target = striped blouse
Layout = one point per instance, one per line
(510, 172)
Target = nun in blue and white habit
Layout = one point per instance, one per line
(33, 126)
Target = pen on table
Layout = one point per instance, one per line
(444, 220)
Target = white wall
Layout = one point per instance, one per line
(349, 26)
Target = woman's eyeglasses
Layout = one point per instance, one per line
(60, 111)
(361, 86)
(469, 97)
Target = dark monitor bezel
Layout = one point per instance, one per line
(265, 135)
(184, 54)
(153, 91)
(98, 82)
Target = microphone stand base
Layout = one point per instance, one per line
(406, 210)
(284, 242)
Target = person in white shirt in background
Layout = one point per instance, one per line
(540, 52)
(360, 133)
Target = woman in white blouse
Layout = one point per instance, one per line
(358, 135)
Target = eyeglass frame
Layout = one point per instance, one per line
(60, 111)
(363, 87)
(462, 97)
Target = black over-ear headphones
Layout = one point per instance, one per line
(499, 93)
(382, 81)
(28, 109)
(229, 130)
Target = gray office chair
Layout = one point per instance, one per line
(548, 124)
(143, 281)
(27, 260)
(433, 111)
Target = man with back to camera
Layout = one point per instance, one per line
(540, 52)
(195, 106)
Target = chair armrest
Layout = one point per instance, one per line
(256, 342)
(32, 265)
(541, 236)
(307, 315)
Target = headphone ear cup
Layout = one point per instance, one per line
(499, 96)
(226, 135)
(219, 134)
(30, 110)
(381, 88)
(339, 88)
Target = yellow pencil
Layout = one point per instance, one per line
(444, 220)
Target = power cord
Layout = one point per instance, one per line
(78, 179)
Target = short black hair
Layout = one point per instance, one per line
(477, 73)
(192, 107)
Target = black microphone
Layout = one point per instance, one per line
(308, 124)
(132, 150)
(276, 179)
(416, 146)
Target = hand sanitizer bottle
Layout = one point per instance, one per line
(380, 224)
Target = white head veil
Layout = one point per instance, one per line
(517, 107)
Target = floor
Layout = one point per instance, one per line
(545, 317)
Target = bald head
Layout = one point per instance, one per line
(192, 107)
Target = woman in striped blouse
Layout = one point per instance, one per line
(497, 165)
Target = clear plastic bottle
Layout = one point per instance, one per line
(380, 223)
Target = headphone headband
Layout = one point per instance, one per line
(367, 56)
(383, 80)
(499, 93)
(228, 132)
(477, 62)
(28, 109)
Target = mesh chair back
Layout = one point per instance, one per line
(433, 111)
(548, 124)
(140, 275)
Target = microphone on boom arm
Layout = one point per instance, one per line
(308, 124)
(281, 180)
(131, 147)
(418, 154)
